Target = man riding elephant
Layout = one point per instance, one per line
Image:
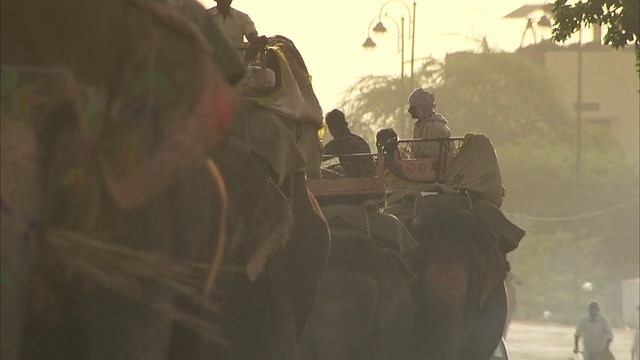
(429, 124)
(346, 143)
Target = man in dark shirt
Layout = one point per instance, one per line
(344, 143)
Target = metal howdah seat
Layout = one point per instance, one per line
(353, 174)
(402, 160)
(397, 167)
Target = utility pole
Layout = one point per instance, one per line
(403, 125)
(413, 42)
(579, 111)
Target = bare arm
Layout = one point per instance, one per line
(252, 37)
(576, 337)
(249, 30)
(609, 334)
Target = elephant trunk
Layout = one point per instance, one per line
(20, 186)
(447, 284)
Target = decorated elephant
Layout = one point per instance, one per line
(458, 317)
(110, 114)
(453, 212)
(364, 307)
(279, 243)
(281, 240)
(105, 141)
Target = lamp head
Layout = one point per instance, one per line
(369, 44)
(544, 22)
(379, 28)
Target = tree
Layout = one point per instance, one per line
(621, 17)
(376, 102)
(504, 95)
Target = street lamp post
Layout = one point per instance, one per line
(413, 41)
(380, 28)
(579, 110)
(412, 27)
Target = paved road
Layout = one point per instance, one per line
(542, 341)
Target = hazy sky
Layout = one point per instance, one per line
(329, 34)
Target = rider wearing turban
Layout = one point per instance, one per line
(429, 124)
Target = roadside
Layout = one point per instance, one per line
(548, 341)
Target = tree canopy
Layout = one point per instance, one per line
(620, 17)
(503, 95)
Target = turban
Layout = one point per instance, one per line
(423, 102)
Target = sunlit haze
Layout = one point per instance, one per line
(329, 34)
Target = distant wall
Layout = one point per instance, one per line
(630, 300)
(609, 78)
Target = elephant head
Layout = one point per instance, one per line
(364, 307)
(109, 110)
(453, 261)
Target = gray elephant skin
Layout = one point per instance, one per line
(364, 307)
(450, 323)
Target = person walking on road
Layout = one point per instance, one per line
(596, 334)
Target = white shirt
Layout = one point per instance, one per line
(236, 25)
(595, 333)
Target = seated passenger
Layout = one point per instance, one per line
(429, 124)
(344, 142)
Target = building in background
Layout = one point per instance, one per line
(609, 86)
(608, 83)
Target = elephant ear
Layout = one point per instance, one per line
(171, 107)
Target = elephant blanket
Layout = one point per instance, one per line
(293, 99)
(264, 133)
(369, 220)
(475, 169)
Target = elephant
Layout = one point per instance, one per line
(118, 148)
(364, 308)
(105, 134)
(464, 237)
(263, 313)
(65, 316)
(452, 323)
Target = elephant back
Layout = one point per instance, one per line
(386, 230)
(457, 225)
